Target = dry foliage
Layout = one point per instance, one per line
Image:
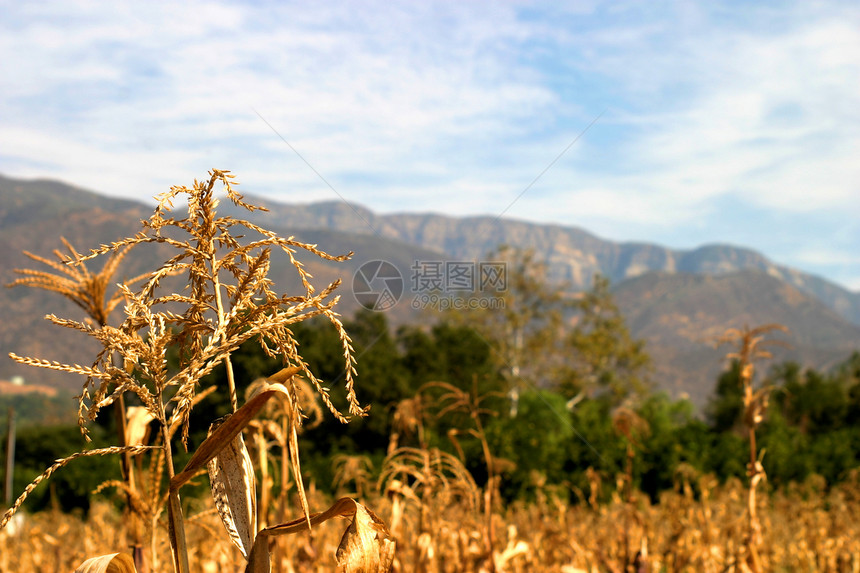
(228, 300)
(751, 344)
(697, 527)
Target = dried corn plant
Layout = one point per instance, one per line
(473, 405)
(434, 501)
(355, 469)
(73, 280)
(407, 420)
(228, 300)
(91, 292)
(632, 428)
(751, 343)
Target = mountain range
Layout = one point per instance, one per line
(573, 255)
(679, 301)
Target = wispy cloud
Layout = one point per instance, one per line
(718, 114)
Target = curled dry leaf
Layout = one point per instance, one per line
(137, 425)
(113, 563)
(224, 434)
(366, 545)
(231, 475)
(220, 438)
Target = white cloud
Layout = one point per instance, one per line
(820, 255)
(772, 116)
(383, 91)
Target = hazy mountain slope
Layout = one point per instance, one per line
(366, 249)
(23, 329)
(23, 202)
(682, 315)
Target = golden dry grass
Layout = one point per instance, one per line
(802, 530)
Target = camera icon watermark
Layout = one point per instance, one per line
(377, 285)
(434, 285)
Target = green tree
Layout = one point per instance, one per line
(787, 450)
(813, 401)
(675, 437)
(603, 357)
(38, 447)
(725, 408)
(535, 441)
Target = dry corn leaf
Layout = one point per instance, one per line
(224, 434)
(220, 438)
(113, 563)
(231, 475)
(137, 425)
(294, 416)
(366, 546)
(295, 465)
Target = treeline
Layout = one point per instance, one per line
(554, 437)
(35, 408)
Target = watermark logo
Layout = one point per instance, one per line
(434, 285)
(441, 302)
(377, 285)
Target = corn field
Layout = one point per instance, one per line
(436, 530)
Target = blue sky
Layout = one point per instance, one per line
(721, 122)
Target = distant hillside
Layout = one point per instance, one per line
(33, 216)
(574, 255)
(36, 405)
(677, 300)
(682, 315)
(27, 202)
(8, 388)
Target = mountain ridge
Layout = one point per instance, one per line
(574, 255)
